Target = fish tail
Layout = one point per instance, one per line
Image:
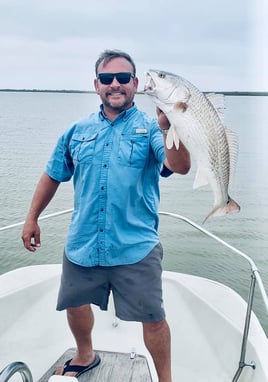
(230, 207)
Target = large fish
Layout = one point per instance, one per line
(197, 121)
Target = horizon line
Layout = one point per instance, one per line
(225, 92)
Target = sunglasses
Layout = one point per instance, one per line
(122, 77)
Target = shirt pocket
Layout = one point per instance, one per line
(82, 147)
(133, 150)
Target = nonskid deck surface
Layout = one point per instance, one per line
(114, 367)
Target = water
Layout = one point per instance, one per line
(30, 124)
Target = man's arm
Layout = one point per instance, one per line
(178, 161)
(44, 192)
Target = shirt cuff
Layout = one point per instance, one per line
(165, 172)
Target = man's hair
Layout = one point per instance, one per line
(108, 55)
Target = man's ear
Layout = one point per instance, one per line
(96, 85)
(136, 82)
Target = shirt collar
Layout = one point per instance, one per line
(124, 115)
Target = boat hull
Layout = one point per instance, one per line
(206, 320)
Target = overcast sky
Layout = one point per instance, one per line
(216, 44)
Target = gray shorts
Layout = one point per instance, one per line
(136, 288)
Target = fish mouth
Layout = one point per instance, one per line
(149, 84)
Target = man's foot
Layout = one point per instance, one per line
(74, 370)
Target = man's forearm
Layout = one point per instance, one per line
(44, 192)
(178, 161)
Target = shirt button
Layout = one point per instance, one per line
(101, 230)
(101, 209)
(102, 187)
(105, 165)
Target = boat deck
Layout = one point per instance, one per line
(114, 367)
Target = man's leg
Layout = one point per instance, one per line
(157, 340)
(81, 320)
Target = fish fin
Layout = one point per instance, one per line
(172, 137)
(200, 179)
(169, 139)
(176, 138)
(218, 102)
(233, 152)
(181, 106)
(230, 207)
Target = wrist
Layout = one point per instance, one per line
(32, 217)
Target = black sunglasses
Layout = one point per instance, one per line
(122, 77)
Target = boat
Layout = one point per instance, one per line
(216, 336)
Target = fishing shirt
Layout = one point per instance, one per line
(115, 166)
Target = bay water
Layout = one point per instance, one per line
(30, 124)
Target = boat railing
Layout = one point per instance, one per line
(16, 367)
(255, 277)
(253, 267)
(43, 217)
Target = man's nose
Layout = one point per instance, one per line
(115, 83)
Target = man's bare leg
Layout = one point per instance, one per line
(81, 321)
(157, 340)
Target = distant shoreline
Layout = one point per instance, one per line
(228, 93)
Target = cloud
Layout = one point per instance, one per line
(55, 44)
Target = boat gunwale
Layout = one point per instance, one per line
(254, 270)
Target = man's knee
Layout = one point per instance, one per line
(78, 310)
(155, 326)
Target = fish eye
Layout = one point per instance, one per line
(161, 75)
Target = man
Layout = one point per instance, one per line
(115, 158)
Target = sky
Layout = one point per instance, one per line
(215, 44)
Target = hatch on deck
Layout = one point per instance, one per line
(114, 367)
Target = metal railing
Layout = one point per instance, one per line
(40, 218)
(16, 367)
(253, 266)
(255, 277)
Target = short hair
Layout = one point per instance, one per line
(108, 55)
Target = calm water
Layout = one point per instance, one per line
(30, 124)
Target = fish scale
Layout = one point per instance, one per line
(196, 121)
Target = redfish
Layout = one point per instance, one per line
(196, 120)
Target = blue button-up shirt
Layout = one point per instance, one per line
(115, 167)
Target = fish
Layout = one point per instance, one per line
(197, 120)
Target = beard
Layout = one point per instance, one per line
(122, 103)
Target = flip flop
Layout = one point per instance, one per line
(80, 369)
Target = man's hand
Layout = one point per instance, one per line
(43, 194)
(31, 236)
(162, 119)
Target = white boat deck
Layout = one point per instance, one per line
(206, 318)
(114, 367)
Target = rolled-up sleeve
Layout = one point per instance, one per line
(60, 165)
